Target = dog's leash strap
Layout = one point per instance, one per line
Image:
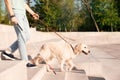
(54, 31)
(52, 69)
(19, 26)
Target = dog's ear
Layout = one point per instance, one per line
(38, 55)
(77, 49)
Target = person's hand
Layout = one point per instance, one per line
(14, 20)
(35, 16)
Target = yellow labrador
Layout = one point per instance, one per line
(63, 52)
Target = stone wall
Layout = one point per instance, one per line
(8, 36)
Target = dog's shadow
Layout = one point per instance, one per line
(74, 70)
(95, 78)
(81, 71)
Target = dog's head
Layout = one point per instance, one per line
(85, 49)
(81, 48)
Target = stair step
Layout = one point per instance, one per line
(13, 70)
(52, 76)
(73, 75)
(36, 73)
(76, 75)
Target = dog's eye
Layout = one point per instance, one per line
(85, 47)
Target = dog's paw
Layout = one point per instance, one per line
(62, 70)
(74, 68)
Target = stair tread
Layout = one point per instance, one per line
(32, 71)
(7, 64)
(13, 70)
(76, 75)
(73, 75)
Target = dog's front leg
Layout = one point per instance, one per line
(48, 65)
(48, 68)
(62, 65)
(71, 65)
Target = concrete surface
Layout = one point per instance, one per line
(111, 65)
(36, 73)
(74, 75)
(13, 70)
(52, 76)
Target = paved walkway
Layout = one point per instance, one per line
(110, 60)
(74, 75)
(113, 49)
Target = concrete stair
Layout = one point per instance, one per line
(36, 73)
(74, 75)
(13, 70)
(17, 70)
(52, 76)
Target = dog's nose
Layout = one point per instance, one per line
(88, 51)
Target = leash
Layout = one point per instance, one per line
(19, 27)
(64, 40)
(56, 33)
(51, 29)
(52, 69)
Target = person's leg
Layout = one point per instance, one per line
(22, 47)
(26, 36)
(23, 36)
(13, 47)
(26, 28)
